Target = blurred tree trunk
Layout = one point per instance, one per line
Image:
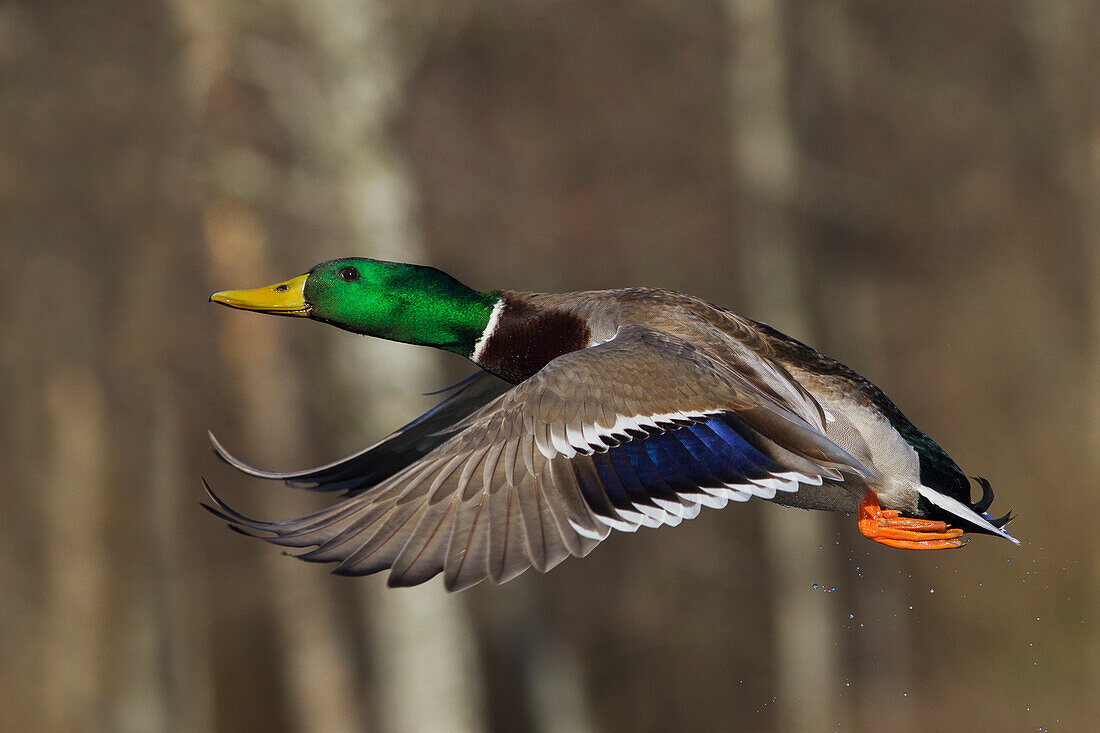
(421, 643)
(76, 570)
(316, 661)
(844, 302)
(316, 664)
(332, 91)
(773, 276)
(90, 180)
(1062, 36)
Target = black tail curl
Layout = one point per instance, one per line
(982, 504)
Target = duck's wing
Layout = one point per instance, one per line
(356, 473)
(642, 430)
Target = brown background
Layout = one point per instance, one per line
(911, 187)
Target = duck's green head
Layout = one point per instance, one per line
(391, 300)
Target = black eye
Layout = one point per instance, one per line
(349, 274)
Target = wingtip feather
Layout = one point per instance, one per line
(221, 452)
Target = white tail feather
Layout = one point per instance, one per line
(956, 507)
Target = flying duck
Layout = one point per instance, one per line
(591, 412)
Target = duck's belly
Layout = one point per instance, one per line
(869, 437)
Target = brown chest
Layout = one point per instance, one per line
(524, 338)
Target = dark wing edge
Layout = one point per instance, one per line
(358, 472)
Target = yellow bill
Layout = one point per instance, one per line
(282, 299)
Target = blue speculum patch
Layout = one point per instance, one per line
(709, 453)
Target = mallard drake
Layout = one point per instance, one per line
(591, 412)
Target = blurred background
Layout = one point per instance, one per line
(914, 188)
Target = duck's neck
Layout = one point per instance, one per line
(523, 336)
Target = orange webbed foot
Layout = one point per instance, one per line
(887, 527)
